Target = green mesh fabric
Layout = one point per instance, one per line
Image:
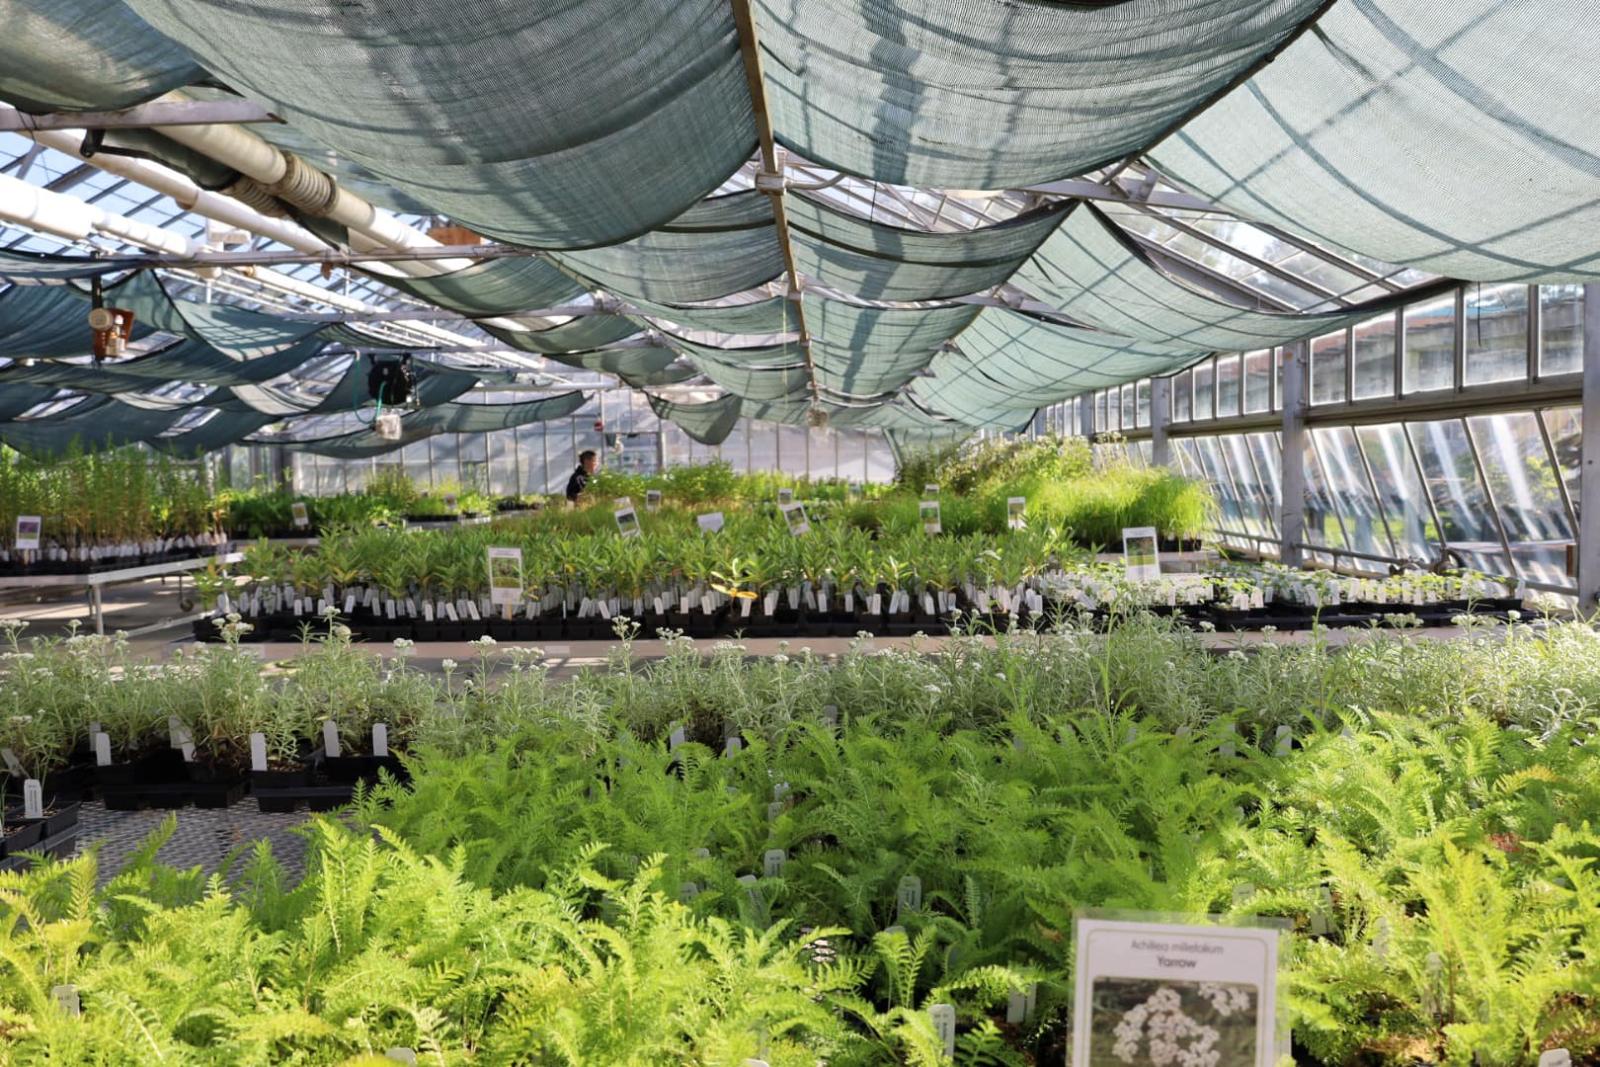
(544, 125)
(864, 352)
(76, 55)
(718, 247)
(1093, 273)
(33, 268)
(220, 430)
(765, 373)
(240, 332)
(638, 367)
(1456, 138)
(581, 334)
(957, 398)
(973, 94)
(48, 322)
(877, 262)
(772, 315)
(445, 418)
(18, 398)
(184, 361)
(709, 423)
(98, 422)
(494, 287)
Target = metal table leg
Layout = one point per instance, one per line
(99, 610)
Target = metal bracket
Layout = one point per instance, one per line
(768, 182)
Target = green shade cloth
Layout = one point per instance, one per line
(446, 418)
(543, 124)
(35, 268)
(873, 261)
(580, 335)
(220, 430)
(78, 55)
(772, 315)
(48, 322)
(638, 367)
(184, 361)
(718, 247)
(15, 399)
(1094, 273)
(95, 423)
(494, 287)
(1457, 138)
(709, 423)
(981, 94)
(772, 372)
(861, 351)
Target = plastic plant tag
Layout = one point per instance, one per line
(1142, 986)
(380, 739)
(930, 490)
(627, 521)
(330, 738)
(1016, 512)
(676, 738)
(27, 538)
(1228, 749)
(1556, 1057)
(13, 767)
(401, 1055)
(652, 499)
(732, 745)
(1285, 743)
(700, 854)
(258, 752)
(780, 790)
(300, 514)
(32, 799)
(830, 716)
(908, 897)
(1021, 1002)
(67, 999)
(794, 516)
(1321, 920)
(855, 492)
(774, 810)
(785, 496)
(772, 862)
(1139, 553)
(687, 892)
(944, 1027)
(505, 575)
(710, 522)
(102, 750)
(451, 504)
(928, 510)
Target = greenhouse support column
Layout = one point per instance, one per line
(1160, 413)
(1292, 484)
(1086, 416)
(1589, 473)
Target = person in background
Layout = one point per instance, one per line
(580, 477)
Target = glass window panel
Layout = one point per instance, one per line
(792, 448)
(1496, 333)
(823, 461)
(1321, 516)
(1400, 491)
(1430, 345)
(763, 446)
(880, 459)
(1100, 424)
(1204, 398)
(1458, 495)
(1527, 491)
(1213, 466)
(736, 449)
(1327, 368)
(1255, 506)
(1127, 408)
(1141, 401)
(1227, 386)
(1188, 462)
(418, 465)
(1267, 450)
(1182, 396)
(1566, 439)
(562, 458)
(1349, 490)
(503, 479)
(1139, 452)
(1374, 358)
(1257, 382)
(1560, 329)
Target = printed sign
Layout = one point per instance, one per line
(28, 527)
(450, 504)
(855, 491)
(300, 514)
(1139, 552)
(627, 519)
(710, 522)
(930, 490)
(1149, 992)
(505, 575)
(785, 497)
(652, 499)
(929, 510)
(795, 516)
(1017, 512)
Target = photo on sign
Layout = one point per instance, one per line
(505, 575)
(28, 528)
(300, 513)
(1140, 553)
(710, 522)
(1137, 1022)
(795, 516)
(1017, 512)
(930, 489)
(652, 499)
(785, 496)
(627, 521)
(929, 510)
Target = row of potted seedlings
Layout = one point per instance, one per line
(53, 557)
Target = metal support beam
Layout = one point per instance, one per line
(1086, 416)
(141, 116)
(770, 180)
(1084, 189)
(1292, 483)
(1160, 415)
(1589, 470)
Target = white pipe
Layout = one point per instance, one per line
(67, 216)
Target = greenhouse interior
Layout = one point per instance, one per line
(996, 533)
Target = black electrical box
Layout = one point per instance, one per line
(390, 381)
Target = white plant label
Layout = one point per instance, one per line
(472, 612)
(505, 575)
(931, 489)
(450, 504)
(258, 752)
(300, 514)
(450, 612)
(676, 738)
(380, 739)
(785, 497)
(32, 799)
(330, 737)
(28, 527)
(732, 745)
(102, 750)
(652, 499)
(1020, 1004)
(908, 897)
(627, 521)
(1137, 984)
(772, 862)
(1139, 553)
(929, 512)
(944, 1027)
(12, 766)
(710, 522)
(67, 999)
(794, 516)
(401, 1055)
(1016, 512)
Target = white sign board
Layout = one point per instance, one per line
(785, 497)
(794, 515)
(855, 491)
(652, 499)
(710, 522)
(1148, 987)
(300, 514)
(627, 519)
(1140, 554)
(929, 511)
(1017, 512)
(28, 527)
(505, 575)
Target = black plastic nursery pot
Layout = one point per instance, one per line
(19, 835)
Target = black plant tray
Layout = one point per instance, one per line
(312, 797)
(348, 770)
(60, 846)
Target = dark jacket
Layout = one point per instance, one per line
(576, 483)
